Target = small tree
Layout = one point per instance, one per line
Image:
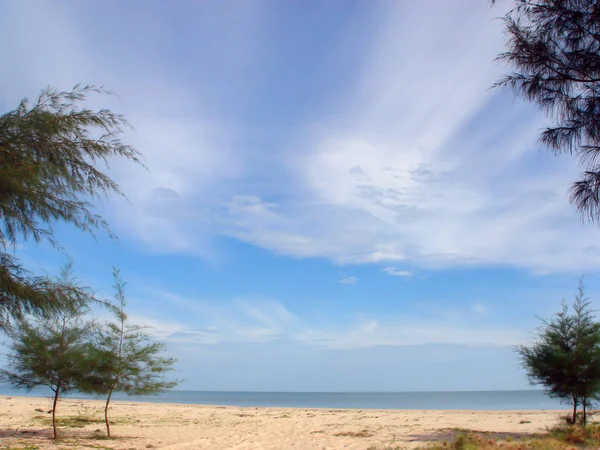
(130, 360)
(52, 349)
(565, 358)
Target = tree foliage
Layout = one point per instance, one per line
(131, 361)
(21, 292)
(53, 349)
(554, 48)
(565, 358)
(52, 155)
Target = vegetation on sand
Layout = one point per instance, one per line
(565, 356)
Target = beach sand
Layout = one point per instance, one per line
(24, 421)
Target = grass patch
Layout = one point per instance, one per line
(24, 447)
(578, 435)
(81, 421)
(75, 442)
(101, 437)
(70, 422)
(566, 437)
(387, 447)
(361, 433)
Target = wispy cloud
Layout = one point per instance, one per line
(416, 162)
(398, 272)
(234, 321)
(348, 280)
(437, 184)
(269, 322)
(410, 332)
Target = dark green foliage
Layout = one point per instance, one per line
(53, 349)
(20, 292)
(51, 156)
(130, 360)
(554, 48)
(565, 358)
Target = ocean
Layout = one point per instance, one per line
(469, 400)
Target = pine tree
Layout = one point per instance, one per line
(565, 358)
(53, 349)
(131, 361)
(554, 48)
(51, 158)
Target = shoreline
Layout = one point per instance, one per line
(67, 398)
(381, 404)
(191, 426)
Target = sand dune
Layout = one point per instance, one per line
(25, 421)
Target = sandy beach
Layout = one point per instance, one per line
(25, 421)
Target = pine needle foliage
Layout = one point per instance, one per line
(131, 360)
(53, 349)
(565, 357)
(54, 155)
(554, 48)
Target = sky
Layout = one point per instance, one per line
(335, 198)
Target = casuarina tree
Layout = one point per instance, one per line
(53, 160)
(554, 48)
(131, 360)
(565, 356)
(53, 349)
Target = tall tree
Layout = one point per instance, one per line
(565, 358)
(554, 48)
(52, 156)
(52, 349)
(131, 361)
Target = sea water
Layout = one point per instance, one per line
(478, 400)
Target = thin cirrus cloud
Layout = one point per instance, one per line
(245, 321)
(398, 272)
(419, 172)
(433, 183)
(415, 160)
(348, 280)
(373, 140)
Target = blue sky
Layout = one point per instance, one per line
(335, 198)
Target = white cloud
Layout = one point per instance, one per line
(348, 280)
(269, 322)
(428, 166)
(417, 162)
(234, 321)
(409, 331)
(397, 272)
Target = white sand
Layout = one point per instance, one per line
(167, 426)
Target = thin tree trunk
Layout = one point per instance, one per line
(574, 410)
(56, 393)
(106, 410)
(584, 411)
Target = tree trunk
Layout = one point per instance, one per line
(574, 420)
(106, 410)
(56, 394)
(584, 411)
